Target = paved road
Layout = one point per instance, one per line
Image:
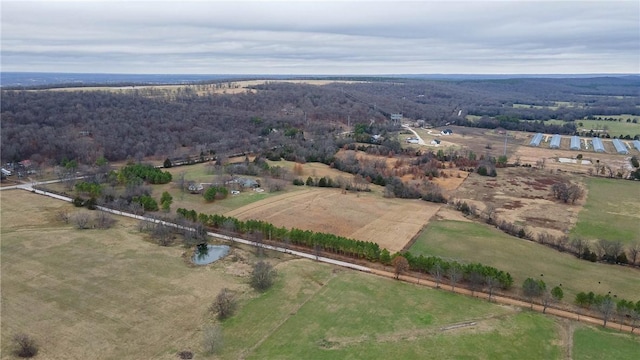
(410, 279)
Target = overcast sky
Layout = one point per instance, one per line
(322, 37)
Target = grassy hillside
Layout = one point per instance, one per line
(612, 211)
(472, 242)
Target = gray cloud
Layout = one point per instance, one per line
(320, 37)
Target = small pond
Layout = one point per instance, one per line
(206, 254)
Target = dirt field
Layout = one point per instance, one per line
(391, 223)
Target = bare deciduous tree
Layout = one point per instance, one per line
(579, 245)
(492, 284)
(634, 250)
(476, 280)
(567, 192)
(263, 276)
(607, 307)
(455, 274)
(103, 220)
(162, 234)
(224, 305)
(64, 216)
(437, 271)
(212, 339)
(81, 220)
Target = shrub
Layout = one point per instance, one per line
(78, 201)
(26, 346)
(263, 276)
(91, 203)
(224, 305)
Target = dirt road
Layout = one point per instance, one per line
(508, 301)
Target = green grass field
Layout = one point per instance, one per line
(596, 343)
(612, 211)
(473, 242)
(348, 315)
(614, 128)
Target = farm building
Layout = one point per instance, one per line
(555, 141)
(597, 145)
(435, 142)
(621, 148)
(636, 144)
(536, 140)
(575, 143)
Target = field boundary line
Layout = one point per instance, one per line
(283, 321)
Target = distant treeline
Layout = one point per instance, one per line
(301, 120)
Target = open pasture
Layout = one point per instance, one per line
(355, 315)
(612, 211)
(391, 223)
(100, 294)
(109, 294)
(596, 343)
(472, 242)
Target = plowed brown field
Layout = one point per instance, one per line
(391, 223)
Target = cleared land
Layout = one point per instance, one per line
(391, 223)
(99, 294)
(612, 211)
(354, 315)
(111, 295)
(521, 196)
(471, 242)
(480, 141)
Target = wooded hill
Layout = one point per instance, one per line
(49, 126)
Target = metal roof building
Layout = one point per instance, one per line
(536, 139)
(597, 145)
(636, 144)
(575, 143)
(555, 141)
(621, 148)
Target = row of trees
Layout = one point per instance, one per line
(314, 240)
(608, 306)
(476, 275)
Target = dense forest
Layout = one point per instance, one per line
(48, 126)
